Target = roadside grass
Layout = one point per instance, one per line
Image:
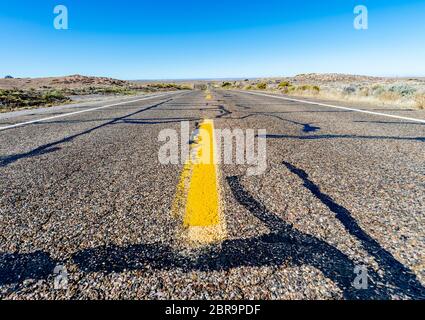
(284, 84)
(16, 99)
(420, 100)
(389, 96)
(288, 88)
(99, 90)
(226, 85)
(399, 94)
(169, 86)
(24, 99)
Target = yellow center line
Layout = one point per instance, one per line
(208, 95)
(198, 196)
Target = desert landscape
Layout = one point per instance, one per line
(28, 93)
(391, 92)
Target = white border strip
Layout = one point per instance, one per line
(83, 111)
(337, 107)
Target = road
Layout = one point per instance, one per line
(84, 197)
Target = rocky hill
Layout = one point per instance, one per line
(68, 82)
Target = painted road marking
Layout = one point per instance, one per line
(337, 107)
(81, 111)
(208, 96)
(198, 195)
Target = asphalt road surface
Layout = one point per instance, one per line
(86, 206)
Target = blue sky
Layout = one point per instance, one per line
(211, 39)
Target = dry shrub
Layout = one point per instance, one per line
(389, 96)
(364, 92)
(420, 100)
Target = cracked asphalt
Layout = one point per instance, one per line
(87, 193)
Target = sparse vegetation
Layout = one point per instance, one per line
(351, 89)
(384, 91)
(364, 92)
(18, 99)
(314, 89)
(168, 86)
(100, 90)
(301, 89)
(42, 92)
(420, 100)
(402, 90)
(389, 96)
(284, 84)
(226, 85)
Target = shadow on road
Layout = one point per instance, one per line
(284, 245)
(396, 274)
(54, 146)
(307, 127)
(16, 268)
